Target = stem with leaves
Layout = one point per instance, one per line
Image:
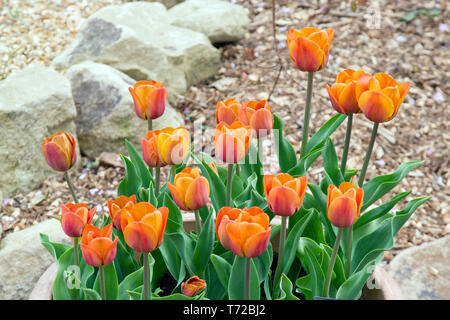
(326, 288)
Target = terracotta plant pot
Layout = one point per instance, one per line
(384, 287)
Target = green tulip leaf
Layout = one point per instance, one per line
(131, 183)
(331, 166)
(286, 289)
(236, 284)
(111, 282)
(285, 151)
(204, 247)
(223, 269)
(352, 288)
(139, 164)
(54, 248)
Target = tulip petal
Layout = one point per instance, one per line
(56, 156)
(376, 106)
(91, 256)
(306, 54)
(177, 196)
(72, 224)
(257, 244)
(140, 237)
(197, 194)
(283, 201)
(342, 212)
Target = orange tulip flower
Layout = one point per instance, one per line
(116, 206)
(150, 152)
(192, 286)
(59, 151)
(382, 100)
(344, 204)
(173, 145)
(258, 115)
(227, 111)
(284, 193)
(190, 190)
(226, 215)
(74, 217)
(143, 226)
(232, 141)
(344, 93)
(149, 99)
(97, 246)
(309, 48)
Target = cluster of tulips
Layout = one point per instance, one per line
(230, 253)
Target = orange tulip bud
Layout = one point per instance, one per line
(97, 246)
(232, 141)
(59, 151)
(143, 226)
(284, 193)
(382, 100)
(192, 286)
(227, 111)
(190, 190)
(343, 93)
(173, 145)
(150, 152)
(116, 206)
(309, 48)
(228, 215)
(149, 99)
(258, 115)
(74, 217)
(344, 204)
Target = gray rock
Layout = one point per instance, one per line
(167, 3)
(137, 39)
(23, 259)
(220, 21)
(423, 272)
(106, 115)
(34, 103)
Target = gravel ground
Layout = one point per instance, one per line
(371, 38)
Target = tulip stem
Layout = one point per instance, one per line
(229, 184)
(101, 273)
(346, 143)
(248, 265)
(326, 289)
(348, 256)
(279, 269)
(146, 288)
(260, 149)
(157, 180)
(173, 172)
(307, 114)
(198, 222)
(150, 124)
(75, 251)
(362, 174)
(238, 170)
(71, 188)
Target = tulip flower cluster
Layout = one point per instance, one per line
(243, 217)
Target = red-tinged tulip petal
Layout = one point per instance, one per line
(342, 212)
(197, 194)
(222, 234)
(229, 149)
(140, 237)
(177, 196)
(72, 225)
(239, 233)
(332, 93)
(192, 286)
(347, 99)
(306, 54)
(226, 115)
(262, 122)
(257, 244)
(164, 215)
(376, 106)
(267, 182)
(56, 157)
(283, 201)
(156, 103)
(138, 105)
(91, 256)
(110, 254)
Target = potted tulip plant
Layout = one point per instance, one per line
(330, 234)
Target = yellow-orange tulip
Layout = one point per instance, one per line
(258, 115)
(192, 286)
(345, 91)
(309, 48)
(232, 141)
(284, 193)
(59, 151)
(173, 145)
(116, 206)
(150, 152)
(143, 226)
(149, 99)
(226, 215)
(227, 111)
(190, 190)
(382, 100)
(97, 245)
(344, 204)
(74, 217)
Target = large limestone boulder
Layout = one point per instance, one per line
(23, 259)
(105, 109)
(34, 103)
(220, 21)
(137, 39)
(423, 272)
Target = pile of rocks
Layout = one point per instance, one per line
(85, 93)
